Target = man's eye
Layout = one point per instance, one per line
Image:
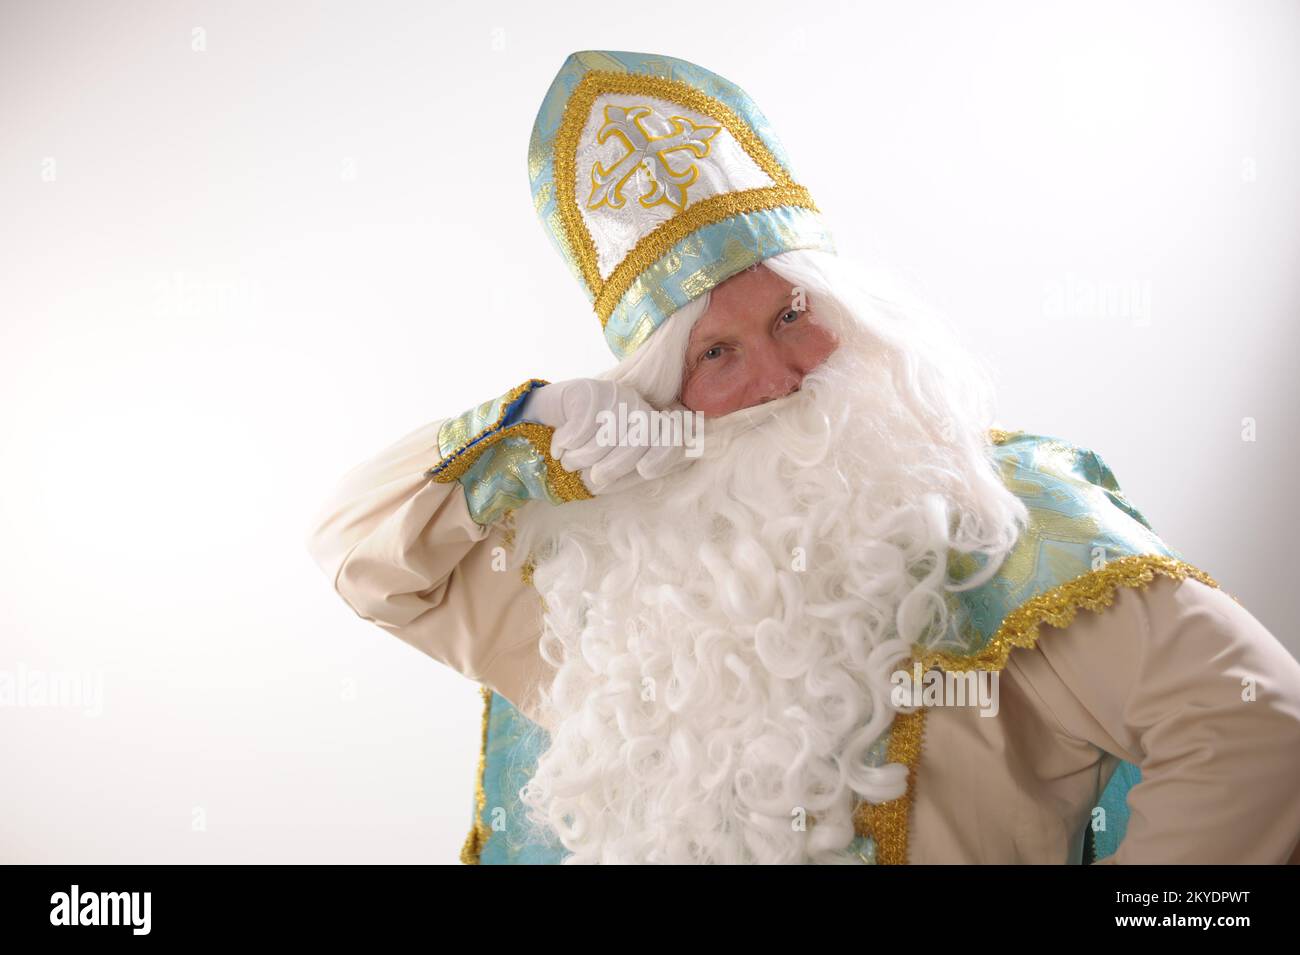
(712, 352)
(786, 317)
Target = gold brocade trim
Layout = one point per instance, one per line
(998, 436)
(1094, 590)
(652, 247)
(479, 832)
(566, 484)
(509, 398)
(508, 538)
(886, 822)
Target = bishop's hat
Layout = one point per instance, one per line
(658, 180)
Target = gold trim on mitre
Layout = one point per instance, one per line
(652, 247)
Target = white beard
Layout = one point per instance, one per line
(724, 637)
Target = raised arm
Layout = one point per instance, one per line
(404, 550)
(413, 539)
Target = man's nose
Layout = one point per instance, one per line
(778, 377)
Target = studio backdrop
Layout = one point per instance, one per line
(247, 246)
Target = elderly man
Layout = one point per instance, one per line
(709, 652)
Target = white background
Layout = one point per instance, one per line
(228, 275)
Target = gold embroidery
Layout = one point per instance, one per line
(567, 485)
(887, 822)
(1094, 590)
(626, 345)
(543, 196)
(1047, 529)
(668, 187)
(507, 400)
(536, 154)
(596, 60)
(652, 247)
(508, 539)
(479, 832)
(1009, 470)
(455, 431)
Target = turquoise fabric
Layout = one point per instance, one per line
(513, 745)
(1111, 826)
(508, 470)
(715, 253)
(506, 476)
(1080, 520)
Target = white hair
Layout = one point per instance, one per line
(706, 687)
(941, 381)
(654, 371)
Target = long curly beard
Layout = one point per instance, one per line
(723, 638)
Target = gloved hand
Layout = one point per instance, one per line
(572, 408)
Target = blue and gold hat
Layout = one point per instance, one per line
(658, 180)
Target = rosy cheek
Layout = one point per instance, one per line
(820, 344)
(711, 391)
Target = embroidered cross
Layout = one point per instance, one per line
(649, 152)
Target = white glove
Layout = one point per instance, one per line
(572, 408)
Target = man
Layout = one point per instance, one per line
(692, 653)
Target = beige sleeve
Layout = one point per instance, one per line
(1158, 679)
(403, 552)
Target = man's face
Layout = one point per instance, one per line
(752, 345)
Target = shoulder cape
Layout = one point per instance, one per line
(1084, 540)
